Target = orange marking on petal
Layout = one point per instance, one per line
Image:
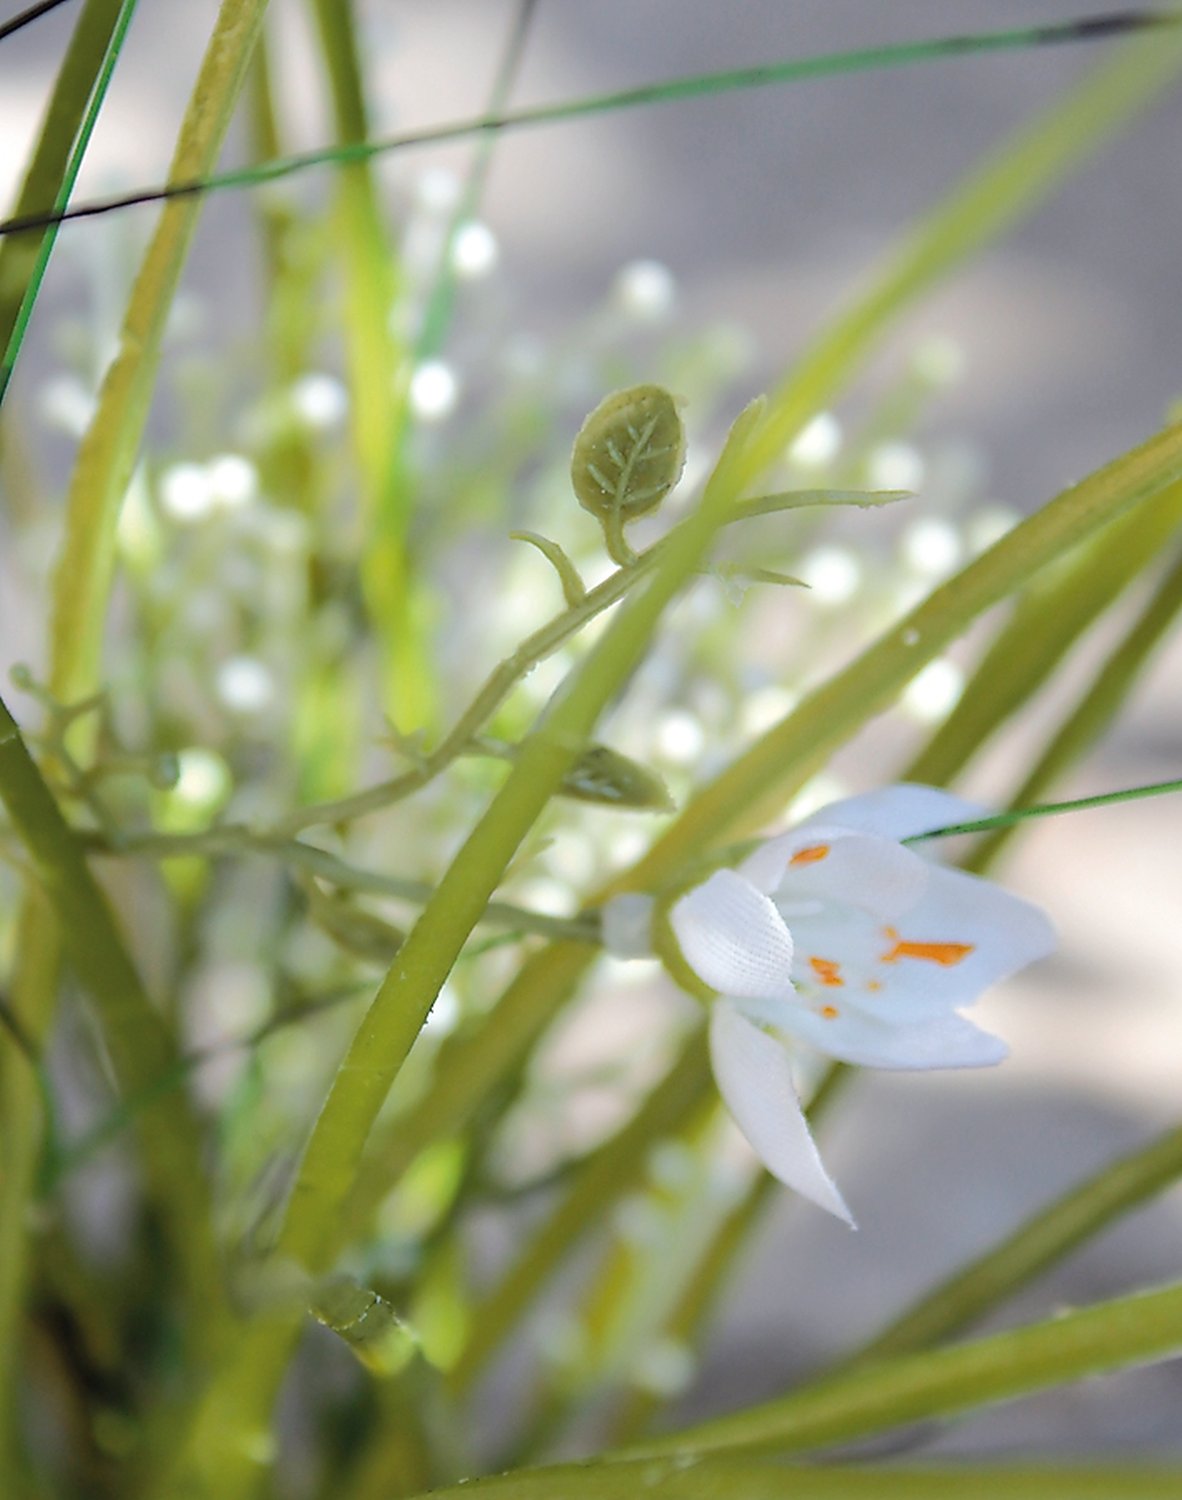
(874, 984)
(944, 954)
(827, 971)
(830, 1012)
(809, 856)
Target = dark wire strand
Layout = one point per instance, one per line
(26, 17)
(794, 69)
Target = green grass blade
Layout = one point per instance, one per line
(70, 117)
(139, 1043)
(1097, 708)
(378, 375)
(108, 452)
(1124, 1333)
(1044, 625)
(218, 1456)
(754, 787)
(81, 589)
(739, 1479)
(1032, 1248)
(611, 1171)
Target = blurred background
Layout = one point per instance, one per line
(742, 222)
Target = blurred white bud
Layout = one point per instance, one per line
(895, 466)
(645, 290)
(186, 493)
(989, 525)
(817, 443)
(433, 390)
(932, 547)
(437, 189)
(680, 737)
(933, 692)
(66, 404)
(939, 361)
(320, 400)
(203, 778)
(833, 574)
(664, 1367)
(234, 480)
(244, 685)
(474, 251)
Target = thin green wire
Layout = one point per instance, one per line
(73, 167)
(793, 70)
(1049, 809)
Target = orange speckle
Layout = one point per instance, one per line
(830, 1012)
(944, 954)
(874, 984)
(827, 971)
(809, 856)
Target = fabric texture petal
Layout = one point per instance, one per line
(733, 937)
(829, 864)
(948, 1041)
(754, 1076)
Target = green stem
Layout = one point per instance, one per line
(1040, 1242)
(1096, 709)
(752, 790)
(223, 1442)
(1121, 1334)
(378, 377)
(139, 1043)
(610, 1172)
(1045, 624)
(680, 1478)
(544, 642)
(139, 1046)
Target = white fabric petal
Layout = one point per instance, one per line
(948, 1041)
(733, 937)
(858, 870)
(898, 812)
(1005, 934)
(754, 1077)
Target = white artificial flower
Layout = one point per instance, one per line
(838, 935)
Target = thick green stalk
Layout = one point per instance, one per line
(1044, 626)
(680, 1478)
(402, 1003)
(756, 785)
(461, 1083)
(1121, 1334)
(222, 1453)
